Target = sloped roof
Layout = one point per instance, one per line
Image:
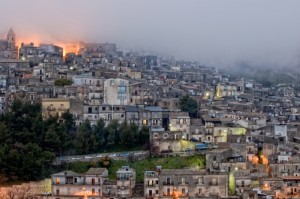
(66, 173)
(95, 171)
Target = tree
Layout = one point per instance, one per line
(83, 141)
(113, 135)
(62, 82)
(100, 134)
(144, 135)
(18, 191)
(190, 105)
(126, 135)
(52, 141)
(23, 152)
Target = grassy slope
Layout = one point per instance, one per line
(147, 164)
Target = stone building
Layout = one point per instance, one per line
(167, 140)
(54, 106)
(142, 94)
(184, 183)
(93, 184)
(116, 92)
(8, 48)
(180, 121)
(69, 184)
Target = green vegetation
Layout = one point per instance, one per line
(147, 164)
(190, 105)
(62, 82)
(231, 184)
(29, 144)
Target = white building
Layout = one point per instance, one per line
(116, 92)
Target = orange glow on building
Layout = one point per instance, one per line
(255, 160)
(68, 47)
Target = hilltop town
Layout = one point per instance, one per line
(93, 102)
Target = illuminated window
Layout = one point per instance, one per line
(145, 122)
(57, 181)
(150, 182)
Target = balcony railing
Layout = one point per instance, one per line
(213, 184)
(62, 109)
(243, 186)
(51, 108)
(183, 183)
(150, 185)
(168, 183)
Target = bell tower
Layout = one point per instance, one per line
(11, 39)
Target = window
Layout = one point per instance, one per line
(168, 180)
(145, 122)
(200, 191)
(156, 191)
(93, 181)
(57, 181)
(93, 191)
(121, 89)
(183, 191)
(182, 180)
(168, 191)
(57, 192)
(200, 180)
(150, 192)
(150, 182)
(75, 180)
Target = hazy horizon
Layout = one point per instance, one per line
(220, 33)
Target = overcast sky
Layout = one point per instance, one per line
(223, 32)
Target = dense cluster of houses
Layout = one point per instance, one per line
(250, 133)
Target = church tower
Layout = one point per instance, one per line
(12, 49)
(11, 39)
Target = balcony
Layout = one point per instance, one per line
(150, 184)
(250, 152)
(183, 183)
(123, 187)
(168, 183)
(51, 108)
(213, 184)
(62, 109)
(199, 183)
(243, 185)
(108, 194)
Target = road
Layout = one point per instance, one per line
(98, 156)
(120, 155)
